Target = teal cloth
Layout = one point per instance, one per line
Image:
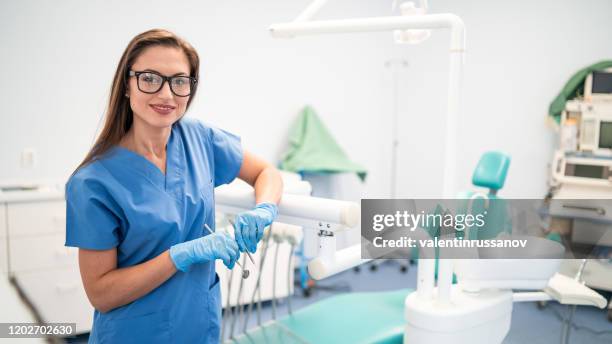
(313, 149)
(368, 317)
(574, 87)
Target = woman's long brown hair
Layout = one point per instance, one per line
(119, 116)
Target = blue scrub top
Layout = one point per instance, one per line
(123, 200)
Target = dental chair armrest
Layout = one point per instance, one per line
(569, 291)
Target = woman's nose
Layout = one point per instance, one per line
(165, 91)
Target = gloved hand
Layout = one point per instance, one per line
(218, 245)
(249, 226)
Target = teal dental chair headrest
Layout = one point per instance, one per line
(491, 170)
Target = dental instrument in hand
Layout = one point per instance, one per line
(247, 252)
(245, 272)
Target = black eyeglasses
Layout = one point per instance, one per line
(151, 82)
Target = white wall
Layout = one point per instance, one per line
(59, 57)
(520, 54)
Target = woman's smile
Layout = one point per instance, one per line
(163, 109)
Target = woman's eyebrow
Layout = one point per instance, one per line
(153, 70)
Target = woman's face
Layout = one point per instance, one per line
(163, 108)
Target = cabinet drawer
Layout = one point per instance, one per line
(41, 252)
(58, 295)
(34, 218)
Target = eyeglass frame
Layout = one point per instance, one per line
(193, 81)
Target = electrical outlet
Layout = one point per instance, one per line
(28, 158)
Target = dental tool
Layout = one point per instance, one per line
(247, 252)
(245, 272)
(257, 289)
(289, 272)
(238, 299)
(274, 281)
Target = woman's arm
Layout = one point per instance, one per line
(108, 287)
(262, 176)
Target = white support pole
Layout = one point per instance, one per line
(445, 279)
(452, 115)
(425, 277)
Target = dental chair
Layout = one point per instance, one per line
(476, 310)
(373, 317)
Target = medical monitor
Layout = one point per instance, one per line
(605, 135)
(595, 135)
(598, 86)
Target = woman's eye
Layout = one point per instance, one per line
(180, 82)
(150, 78)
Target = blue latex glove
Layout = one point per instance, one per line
(218, 245)
(249, 225)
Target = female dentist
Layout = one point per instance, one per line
(137, 204)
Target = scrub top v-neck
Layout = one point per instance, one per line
(124, 201)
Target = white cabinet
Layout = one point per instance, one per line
(26, 219)
(58, 296)
(41, 252)
(34, 254)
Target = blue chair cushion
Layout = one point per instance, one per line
(371, 317)
(491, 170)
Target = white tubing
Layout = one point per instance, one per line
(428, 21)
(322, 267)
(306, 211)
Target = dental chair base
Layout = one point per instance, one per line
(473, 318)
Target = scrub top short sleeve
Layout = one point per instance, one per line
(227, 152)
(90, 222)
